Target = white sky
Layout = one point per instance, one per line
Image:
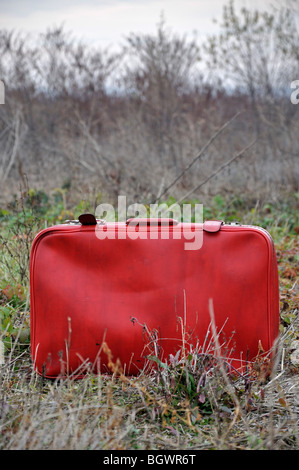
(107, 22)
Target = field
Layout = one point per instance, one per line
(177, 406)
(161, 118)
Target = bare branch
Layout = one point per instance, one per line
(200, 154)
(219, 169)
(15, 148)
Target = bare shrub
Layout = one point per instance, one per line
(132, 122)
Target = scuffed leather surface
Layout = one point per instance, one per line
(85, 290)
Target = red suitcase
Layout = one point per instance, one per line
(141, 291)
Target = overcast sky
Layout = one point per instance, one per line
(106, 22)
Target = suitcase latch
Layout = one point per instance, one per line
(212, 225)
(89, 219)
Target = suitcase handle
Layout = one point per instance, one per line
(208, 226)
(152, 221)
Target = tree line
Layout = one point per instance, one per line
(158, 117)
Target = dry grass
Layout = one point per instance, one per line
(189, 403)
(255, 410)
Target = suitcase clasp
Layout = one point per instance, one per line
(89, 219)
(212, 225)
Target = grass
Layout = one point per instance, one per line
(190, 402)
